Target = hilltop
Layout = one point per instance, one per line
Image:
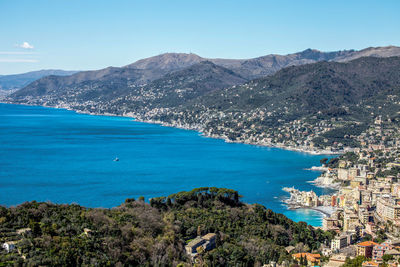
(137, 233)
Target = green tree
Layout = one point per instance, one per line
(387, 257)
(356, 262)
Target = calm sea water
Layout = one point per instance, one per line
(64, 157)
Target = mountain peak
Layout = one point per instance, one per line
(310, 50)
(168, 61)
(311, 54)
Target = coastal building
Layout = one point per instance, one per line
(343, 174)
(342, 164)
(379, 250)
(364, 215)
(326, 251)
(388, 208)
(365, 248)
(355, 183)
(370, 228)
(339, 242)
(396, 190)
(312, 259)
(334, 201)
(353, 173)
(329, 223)
(370, 264)
(311, 199)
(350, 221)
(336, 260)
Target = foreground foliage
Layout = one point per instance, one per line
(138, 233)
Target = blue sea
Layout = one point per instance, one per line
(60, 156)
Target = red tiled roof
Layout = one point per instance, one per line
(370, 263)
(310, 257)
(367, 244)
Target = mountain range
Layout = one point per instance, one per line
(17, 81)
(150, 69)
(224, 97)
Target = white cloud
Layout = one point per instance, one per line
(12, 60)
(26, 45)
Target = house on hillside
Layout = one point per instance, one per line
(370, 264)
(191, 247)
(365, 248)
(379, 250)
(312, 259)
(204, 243)
(339, 242)
(210, 239)
(336, 261)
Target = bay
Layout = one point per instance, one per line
(60, 156)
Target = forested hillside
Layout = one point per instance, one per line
(138, 233)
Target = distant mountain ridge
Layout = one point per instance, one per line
(385, 51)
(310, 88)
(146, 70)
(172, 89)
(17, 81)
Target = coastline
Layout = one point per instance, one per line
(326, 211)
(198, 130)
(192, 128)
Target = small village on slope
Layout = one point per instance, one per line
(364, 209)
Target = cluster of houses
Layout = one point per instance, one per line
(366, 205)
(374, 252)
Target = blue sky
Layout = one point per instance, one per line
(82, 35)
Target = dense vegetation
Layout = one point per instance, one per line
(138, 233)
(324, 87)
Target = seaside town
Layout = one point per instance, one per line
(256, 133)
(364, 208)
